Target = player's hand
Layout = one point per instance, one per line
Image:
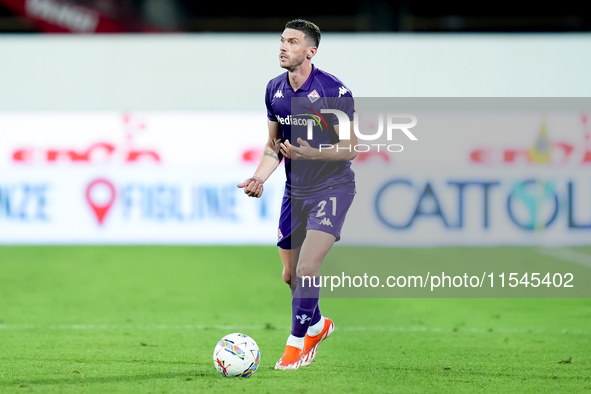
(303, 152)
(253, 187)
(285, 149)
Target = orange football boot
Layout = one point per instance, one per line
(291, 359)
(311, 343)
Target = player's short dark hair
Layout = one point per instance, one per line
(310, 30)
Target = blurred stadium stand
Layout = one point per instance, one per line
(89, 16)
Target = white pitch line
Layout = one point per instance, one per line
(567, 254)
(262, 328)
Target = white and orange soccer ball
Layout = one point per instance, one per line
(236, 355)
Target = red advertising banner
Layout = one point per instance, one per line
(59, 16)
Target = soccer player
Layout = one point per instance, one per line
(320, 184)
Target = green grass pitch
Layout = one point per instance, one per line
(146, 319)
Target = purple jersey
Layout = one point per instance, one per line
(321, 90)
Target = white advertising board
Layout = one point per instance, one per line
(170, 177)
(111, 177)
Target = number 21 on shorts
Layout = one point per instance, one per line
(322, 205)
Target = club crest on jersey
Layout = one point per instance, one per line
(314, 96)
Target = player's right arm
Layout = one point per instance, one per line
(270, 160)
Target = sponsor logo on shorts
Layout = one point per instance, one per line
(326, 222)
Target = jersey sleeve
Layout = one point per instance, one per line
(341, 98)
(343, 101)
(270, 112)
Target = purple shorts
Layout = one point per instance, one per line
(325, 213)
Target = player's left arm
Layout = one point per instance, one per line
(342, 150)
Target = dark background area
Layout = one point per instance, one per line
(348, 16)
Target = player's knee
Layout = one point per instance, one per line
(308, 270)
(286, 277)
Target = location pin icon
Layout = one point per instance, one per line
(101, 206)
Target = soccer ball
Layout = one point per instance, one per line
(236, 355)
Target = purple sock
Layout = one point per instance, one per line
(303, 307)
(317, 316)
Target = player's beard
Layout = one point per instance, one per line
(293, 64)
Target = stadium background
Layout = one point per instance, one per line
(139, 138)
